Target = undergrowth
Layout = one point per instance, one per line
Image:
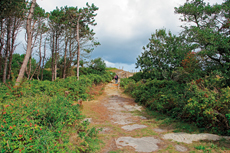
(202, 102)
(38, 116)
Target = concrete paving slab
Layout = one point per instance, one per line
(181, 148)
(121, 118)
(189, 138)
(144, 144)
(133, 127)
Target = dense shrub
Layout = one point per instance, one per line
(97, 65)
(34, 123)
(126, 81)
(201, 101)
(37, 117)
(84, 70)
(47, 75)
(138, 76)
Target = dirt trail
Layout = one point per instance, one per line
(126, 129)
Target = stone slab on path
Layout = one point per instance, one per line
(189, 138)
(121, 118)
(133, 108)
(115, 106)
(133, 127)
(144, 144)
(181, 148)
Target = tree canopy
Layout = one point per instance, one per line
(206, 34)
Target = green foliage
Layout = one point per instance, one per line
(33, 124)
(38, 12)
(48, 63)
(139, 76)
(110, 68)
(200, 102)
(97, 65)
(85, 70)
(126, 81)
(39, 116)
(207, 148)
(12, 8)
(208, 33)
(171, 57)
(188, 85)
(47, 74)
(16, 64)
(127, 84)
(162, 54)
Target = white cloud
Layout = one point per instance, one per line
(124, 26)
(126, 67)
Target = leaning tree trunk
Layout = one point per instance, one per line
(29, 43)
(78, 47)
(34, 72)
(29, 71)
(7, 49)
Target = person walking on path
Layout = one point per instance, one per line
(116, 78)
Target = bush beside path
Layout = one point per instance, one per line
(43, 116)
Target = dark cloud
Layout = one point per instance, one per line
(119, 50)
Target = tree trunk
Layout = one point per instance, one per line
(38, 65)
(29, 71)
(55, 60)
(1, 59)
(29, 43)
(64, 69)
(78, 47)
(43, 60)
(70, 57)
(53, 52)
(2, 43)
(7, 49)
(12, 47)
(40, 55)
(34, 72)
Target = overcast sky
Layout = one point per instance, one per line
(124, 26)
